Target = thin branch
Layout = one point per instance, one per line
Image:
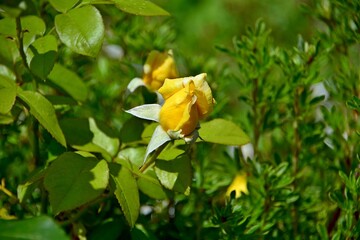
(20, 37)
(254, 109)
(6, 191)
(13, 197)
(296, 152)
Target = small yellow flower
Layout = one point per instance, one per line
(187, 100)
(157, 68)
(238, 185)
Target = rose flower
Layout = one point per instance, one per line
(187, 100)
(157, 68)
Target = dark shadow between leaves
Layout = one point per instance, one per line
(77, 131)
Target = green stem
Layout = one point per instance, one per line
(82, 210)
(148, 163)
(296, 152)
(36, 146)
(20, 37)
(254, 108)
(35, 123)
(44, 200)
(297, 143)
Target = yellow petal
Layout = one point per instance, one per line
(189, 120)
(170, 87)
(165, 70)
(238, 185)
(205, 100)
(188, 97)
(204, 103)
(157, 68)
(180, 112)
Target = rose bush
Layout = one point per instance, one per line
(187, 100)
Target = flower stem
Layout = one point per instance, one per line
(148, 163)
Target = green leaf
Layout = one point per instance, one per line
(8, 27)
(5, 71)
(350, 181)
(283, 182)
(77, 131)
(170, 152)
(109, 229)
(126, 192)
(322, 231)
(57, 100)
(148, 131)
(222, 131)
(337, 197)
(9, 53)
(69, 82)
(84, 2)
(32, 26)
(6, 118)
(44, 112)
(41, 55)
(140, 7)
(7, 93)
(24, 190)
(134, 154)
(104, 137)
(8, 11)
(176, 174)
(81, 29)
(89, 135)
(39, 228)
(63, 5)
(317, 100)
(131, 130)
(150, 185)
(140, 232)
(281, 169)
(73, 180)
(337, 235)
(290, 199)
(354, 103)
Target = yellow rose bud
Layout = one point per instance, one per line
(239, 185)
(187, 100)
(157, 68)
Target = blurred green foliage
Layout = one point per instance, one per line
(289, 80)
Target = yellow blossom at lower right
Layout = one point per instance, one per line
(239, 185)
